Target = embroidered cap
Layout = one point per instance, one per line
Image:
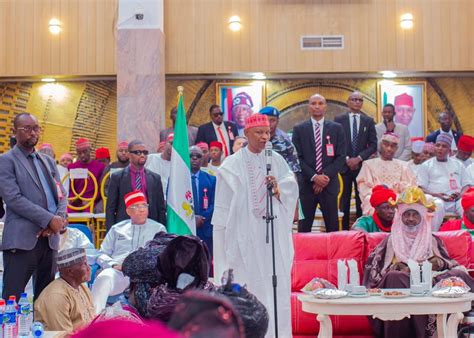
(82, 144)
(122, 145)
(69, 257)
(134, 197)
(391, 137)
(445, 138)
(256, 120)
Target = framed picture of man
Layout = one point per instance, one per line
(409, 99)
(240, 100)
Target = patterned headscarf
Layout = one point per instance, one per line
(412, 242)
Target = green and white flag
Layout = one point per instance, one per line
(180, 205)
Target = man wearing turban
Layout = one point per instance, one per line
(381, 220)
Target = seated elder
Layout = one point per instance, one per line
(66, 303)
(381, 220)
(411, 238)
(467, 220)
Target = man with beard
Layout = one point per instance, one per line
(239, 228)
(389, 126)
(445, 120)
(381, 220)
(36, 205)
(123, 157)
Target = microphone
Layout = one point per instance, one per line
(268, 155)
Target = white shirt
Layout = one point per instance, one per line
(226, 136)
(466, 163)
(453, 142)
(435, 176)
(124, 238)
(351, 122)
(161, 167)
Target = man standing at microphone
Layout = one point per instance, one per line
(240, 229)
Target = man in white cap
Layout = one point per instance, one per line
(417, 154)
(122, 239)
(66, 303)
(385, 170)
(239, 234)
(444, 178)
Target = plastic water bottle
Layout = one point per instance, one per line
(13, 298)
(24, 317)
(37, 330)
(2, 315)
(9, 323)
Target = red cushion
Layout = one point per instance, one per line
(306, 323)
(316, 255)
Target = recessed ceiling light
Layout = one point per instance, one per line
(406, 21)
(48, 79)
(259, 76)
(388, 74)
(54, 26)
(234, 23)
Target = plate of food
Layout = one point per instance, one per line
(375, 292)
(395, 294)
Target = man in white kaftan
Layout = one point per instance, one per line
(239, 227)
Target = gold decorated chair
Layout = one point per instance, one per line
(84, 213)
(100, 228)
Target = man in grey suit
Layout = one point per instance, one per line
(35, 211)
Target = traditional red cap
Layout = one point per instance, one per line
(467, 199)
(203, 146)
(122, 145)
(216, 144)
(65, 156)
(466, 143)
(170, 137)
(413, 139)
(242, 98)
(102, 153)
(46, 146)
(256, 120)
(82, 144)
(404, 100)
(381, 194)
(134, 197)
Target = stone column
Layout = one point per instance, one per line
(140, 71)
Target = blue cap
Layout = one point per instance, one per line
(270, 111)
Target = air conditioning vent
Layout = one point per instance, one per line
(322, 42)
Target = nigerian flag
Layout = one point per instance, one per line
(180, 207)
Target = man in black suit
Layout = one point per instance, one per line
(445, 120)
(135, 177)
(361, 143)
(218, 130)
(321, 151)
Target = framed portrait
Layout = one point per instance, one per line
(409, 99)
(239, 100)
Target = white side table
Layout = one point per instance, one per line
(448, 311)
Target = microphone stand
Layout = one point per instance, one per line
(269, 217)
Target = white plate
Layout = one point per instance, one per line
(417, 294)
(359, 295)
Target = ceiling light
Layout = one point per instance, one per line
(48, 79)
(406, 21)
(54, 26)
(234, 23)
(259, 76)
(388, 74)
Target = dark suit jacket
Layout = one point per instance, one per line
(27, 212)
(208, 182)
(120, 185)
(303, 139)
(2, 211)
(367, 142)
(432, 136)
(207, 134)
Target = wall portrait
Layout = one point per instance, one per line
(240, 100)
(409, 99)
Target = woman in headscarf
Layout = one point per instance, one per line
(387, 266)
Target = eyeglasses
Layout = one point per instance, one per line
(139, 207)
(195, 156)
(356, 99)
(29, 129)
(218, 114)
(139, 152)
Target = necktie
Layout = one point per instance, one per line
(318, 147)
(195, 194)
(221, 136)
(355, 135)
(51, 203)
(138, 181)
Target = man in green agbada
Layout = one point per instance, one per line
(381, 220)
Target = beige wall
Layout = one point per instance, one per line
(198, 40)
